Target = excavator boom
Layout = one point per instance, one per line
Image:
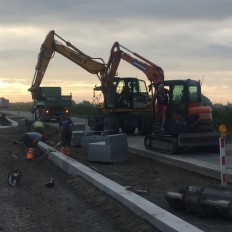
(47, 50)
(153, 72)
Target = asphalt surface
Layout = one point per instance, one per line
(203, 162)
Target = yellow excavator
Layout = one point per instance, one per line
(127, 103)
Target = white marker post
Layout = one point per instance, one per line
(223, 130)
(223, 161)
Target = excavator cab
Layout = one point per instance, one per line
(126, 94)
(131, 93)
(127, 106)
(185, 114)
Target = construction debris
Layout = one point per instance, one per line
(50, 184)
(14, 177)
(203, 201)
(137, 189)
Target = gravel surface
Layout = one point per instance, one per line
(70, 205)
(74, 205)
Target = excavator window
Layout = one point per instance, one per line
(178, 94)
(193, 93)
(124, 94)
(120, 87)
(142, 86)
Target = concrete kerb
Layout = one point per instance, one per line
(158, 217)
(13, 123)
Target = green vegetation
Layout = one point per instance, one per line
(21, 106)
(83, 109)
(222, 115)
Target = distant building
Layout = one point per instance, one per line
(4, 103)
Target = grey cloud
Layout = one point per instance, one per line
(72, 11)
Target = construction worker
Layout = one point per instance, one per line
(66, 133)
(161, 97)
(30, 140)
(38, 126)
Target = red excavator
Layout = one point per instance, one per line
(189, 124)
(127, 104)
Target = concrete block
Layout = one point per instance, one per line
(86, 139)
(79, 126)
(76, 138)
(100, 152)
(116, 139)
(113, 149)
(102, 147)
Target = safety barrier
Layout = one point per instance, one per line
(223, 161)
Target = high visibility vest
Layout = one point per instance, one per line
(38, 124)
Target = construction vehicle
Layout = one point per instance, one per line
(127, 103)
(189, 124)
(51, 104)
(127, 110)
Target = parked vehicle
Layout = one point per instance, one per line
(51, 104)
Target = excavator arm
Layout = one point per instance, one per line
(47, 51)
(153, 72)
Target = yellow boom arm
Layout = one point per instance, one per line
(47, 51)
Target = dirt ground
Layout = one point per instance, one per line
(70, 205)
(74, 205)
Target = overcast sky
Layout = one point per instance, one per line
(187, 38)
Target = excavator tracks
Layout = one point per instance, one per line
(162, 143)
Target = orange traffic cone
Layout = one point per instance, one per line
(30, 154)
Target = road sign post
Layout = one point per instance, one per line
(223, 130)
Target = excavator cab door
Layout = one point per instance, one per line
(141, 98)
(178, 106)
(131, 93)
(182, 95)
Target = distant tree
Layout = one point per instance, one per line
(22, 106)
(85, 108)
(222, 115)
